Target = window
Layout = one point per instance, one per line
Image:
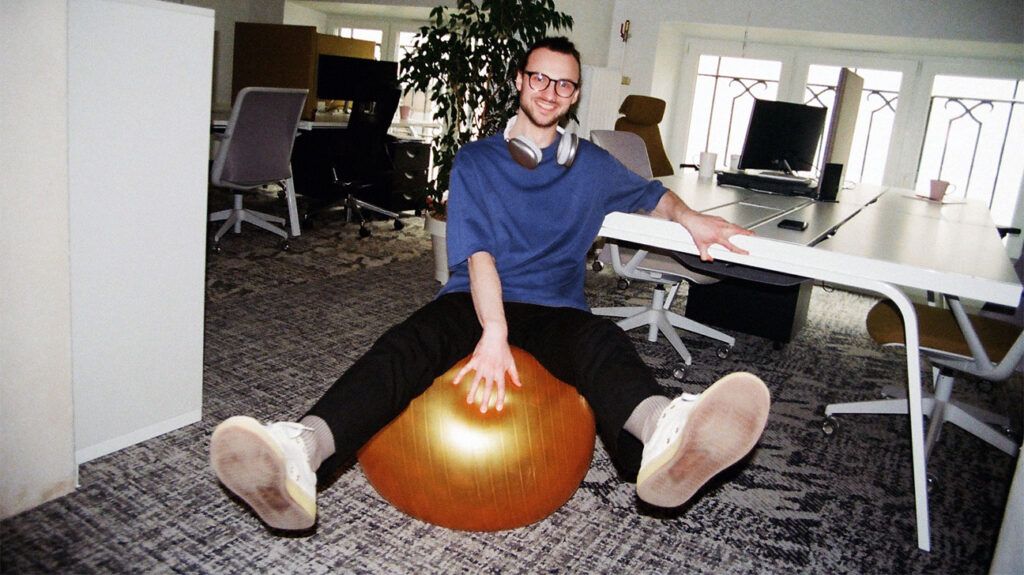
(875, 117)
(375, 36)
(723, 97)
(419, 103)
(974, 124)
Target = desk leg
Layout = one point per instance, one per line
(913, 350)
(917, 439)
(293, 208)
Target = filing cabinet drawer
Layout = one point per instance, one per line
(408, 179)
(410, 156)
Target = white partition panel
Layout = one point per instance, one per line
(139, 84)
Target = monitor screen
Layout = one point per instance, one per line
(782, 136)
(356, 79)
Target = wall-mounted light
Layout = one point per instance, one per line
(624, 31)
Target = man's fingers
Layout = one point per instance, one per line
(486, 396)
(515, 376)
(458, 377)
(472, 388)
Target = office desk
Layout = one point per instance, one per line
(875, 239)
(751, 300)
(312, 167)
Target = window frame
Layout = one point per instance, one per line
(909, 124)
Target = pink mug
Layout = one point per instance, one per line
(939, 189)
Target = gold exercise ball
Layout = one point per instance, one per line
(446, 463)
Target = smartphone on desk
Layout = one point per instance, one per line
(796, 225)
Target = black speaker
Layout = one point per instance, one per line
(830, 182)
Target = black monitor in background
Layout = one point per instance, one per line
(355, 79)
(782, 136)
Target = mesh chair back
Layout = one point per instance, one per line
(364, 153)
(626, 147)
(257, 144)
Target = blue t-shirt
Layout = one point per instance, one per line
(537, 224)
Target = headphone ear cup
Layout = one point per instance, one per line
(567, 147)
(525, 152)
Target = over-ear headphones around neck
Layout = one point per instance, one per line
(528, 155)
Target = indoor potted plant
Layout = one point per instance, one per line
(465, 60)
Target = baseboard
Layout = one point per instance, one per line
(150, 431)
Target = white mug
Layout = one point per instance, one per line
(939, 188)
(706, 169)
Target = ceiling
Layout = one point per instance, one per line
(401, 10)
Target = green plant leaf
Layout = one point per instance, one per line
(465, 61)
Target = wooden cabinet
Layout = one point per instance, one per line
(284, 56)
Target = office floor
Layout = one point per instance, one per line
(282, 325)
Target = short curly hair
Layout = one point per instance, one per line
(559, 44)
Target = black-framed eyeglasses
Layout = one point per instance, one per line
(540, 81)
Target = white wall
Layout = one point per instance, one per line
(979, 21)
(591, 22)
(36, 418)
(297, 15)
(138, 196)
(227, 13)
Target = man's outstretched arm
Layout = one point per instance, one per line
(706, 230)
(492, 358)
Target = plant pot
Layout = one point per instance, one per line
(437, 229)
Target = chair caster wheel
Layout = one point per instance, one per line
(399, 224)
(723, 352)
(597, 266)
(285, 246)
(932, 483)
(364, 232)
(623, 284)
(679, 373)
(215, 248)
(829, 426)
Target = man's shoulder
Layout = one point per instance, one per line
(481, 146)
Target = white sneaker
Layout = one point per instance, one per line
(697, 436)
(267, 466)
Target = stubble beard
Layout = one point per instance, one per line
(533, 118)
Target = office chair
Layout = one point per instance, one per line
(641, 115)
(254, 152)
(954, 342)
(363, 170)
(647, 265)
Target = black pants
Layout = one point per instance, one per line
(586, 351)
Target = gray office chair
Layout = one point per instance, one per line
(647, 265)
(954, 342)
(255, 152)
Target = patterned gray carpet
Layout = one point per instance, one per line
(282, 326)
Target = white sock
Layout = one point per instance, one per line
(644, 419)
(319, 440)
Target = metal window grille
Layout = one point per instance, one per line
(969, 141)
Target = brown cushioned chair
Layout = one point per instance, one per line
(641, 115)
(946, 340)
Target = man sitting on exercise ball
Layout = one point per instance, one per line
(524, 207)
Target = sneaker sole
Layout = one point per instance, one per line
(725, 424)
(249, 463)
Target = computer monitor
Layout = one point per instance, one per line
(782, 136)
(355, 79)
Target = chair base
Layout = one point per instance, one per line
(657, 318)
(939, 409)
(234, 217)
(353, 208)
